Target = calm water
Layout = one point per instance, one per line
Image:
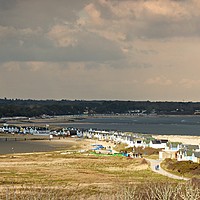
(9, 147)
(175, 125)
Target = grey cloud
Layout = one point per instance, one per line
(38, 13)
(7, 4)
(165, 28)
(105, 12)
(146, 51)
(91, 47)
(171, 18)
(45, 13)
(124, 63)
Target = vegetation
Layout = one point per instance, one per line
(147, 191)
(71, 174)
(145, 152)
(186, 168)
(29, 108)
(159, 191)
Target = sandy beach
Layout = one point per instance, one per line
(195, 140)
(86, 144)
(16, 143)
(56, 144)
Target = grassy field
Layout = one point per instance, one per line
(69, 174)
(87, 174)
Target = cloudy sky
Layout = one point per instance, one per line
(100, 49)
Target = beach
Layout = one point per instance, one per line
(56, 144)
(10, 144)
(86, 144)
(194, 140)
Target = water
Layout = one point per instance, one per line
(164, 125)
(169, 125)
(11, 146)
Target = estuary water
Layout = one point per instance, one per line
(164, 125)
(9, 147)
(12, 146)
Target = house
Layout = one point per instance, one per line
(197, 157)
(189, 153)
(170, 151)
(191, 147)
(188, 156)
(139, 142)
(185, 155)
(167, 154)
(158, 144)
(130, 141)
(164, 142)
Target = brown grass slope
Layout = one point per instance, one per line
(186, 168)
(83, 174)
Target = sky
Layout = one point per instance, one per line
(100, 49)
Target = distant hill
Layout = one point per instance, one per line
(30, 108)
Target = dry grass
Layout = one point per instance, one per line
(128, 191)
(180, 168)
(70, 174)
(87, 174)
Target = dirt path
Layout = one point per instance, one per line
(154, 163)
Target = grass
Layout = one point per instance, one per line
(125, 191)
(72, 173)
(93, 174)
(154, 156)
(182, 168)
(120, 147)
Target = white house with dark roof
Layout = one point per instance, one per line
(158, 144)
(130, 141)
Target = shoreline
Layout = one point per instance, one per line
(150, 124)
(62, 144)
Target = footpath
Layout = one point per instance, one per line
(155, 163)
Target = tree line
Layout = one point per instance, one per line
(30, 108)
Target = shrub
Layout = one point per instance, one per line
(182, 167)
